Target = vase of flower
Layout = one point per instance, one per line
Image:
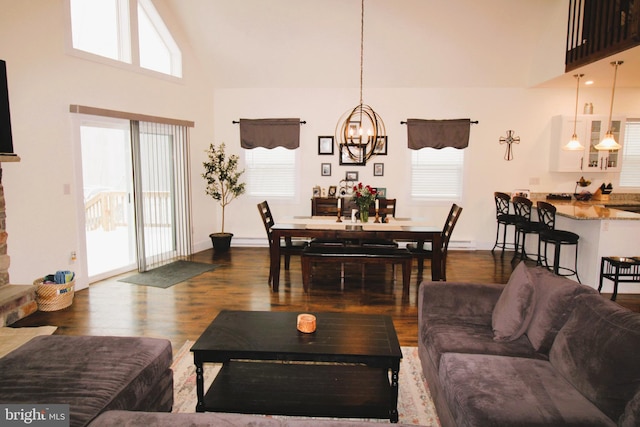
(364, 195)
(364, 213)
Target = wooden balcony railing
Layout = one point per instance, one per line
(600, 28)
(108, 209)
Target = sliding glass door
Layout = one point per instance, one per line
(108, 189)
(137, 201)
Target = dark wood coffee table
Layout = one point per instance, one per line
(347, 368)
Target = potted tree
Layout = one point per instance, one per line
(223, 184)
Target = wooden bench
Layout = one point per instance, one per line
(359, 255)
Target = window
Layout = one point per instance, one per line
(630, 172)
(436, 174)
(270, 172)
(108, 28)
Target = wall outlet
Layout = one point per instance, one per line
(73, 256)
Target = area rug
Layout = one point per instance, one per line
(12, 338)
(414, 401)
(170, 274)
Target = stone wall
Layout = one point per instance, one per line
(4, 257)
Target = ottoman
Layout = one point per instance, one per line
(92, 374)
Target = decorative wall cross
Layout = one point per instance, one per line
(510, 139)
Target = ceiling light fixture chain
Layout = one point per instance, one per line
(574, 143)
(359, 130)
(609, 142)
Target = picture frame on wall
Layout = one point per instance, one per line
(351, 154)
(351, 176)
(378, 169)
(381, 192)
(381, 146)
(325, 169)
(325, 145)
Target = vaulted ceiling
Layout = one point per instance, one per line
(407, 43)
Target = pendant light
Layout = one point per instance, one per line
(574, 143)
(609, 143)
(361, 129)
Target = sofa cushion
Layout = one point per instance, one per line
(485, 390)
(90, 373)
(555, 299)
(448, 337)
(597, 351)
(512, 313)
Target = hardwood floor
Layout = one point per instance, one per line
(183, 311)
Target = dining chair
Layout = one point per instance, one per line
(420, 252)
(288, 247)
(386, 208)
(524, 226)
(503, 218)
(549, 235)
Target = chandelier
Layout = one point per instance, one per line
(574, 143)
(361, 129)
(609, 142)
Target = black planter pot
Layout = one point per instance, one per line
(221, 241)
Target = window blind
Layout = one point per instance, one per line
(270, 172)
(436, 174)
(630, 172)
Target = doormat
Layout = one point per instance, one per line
(170, 274)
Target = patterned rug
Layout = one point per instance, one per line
(414, 401)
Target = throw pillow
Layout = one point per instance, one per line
(513, 310)
(597, 352)
(555, 300)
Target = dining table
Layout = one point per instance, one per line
(323, 227)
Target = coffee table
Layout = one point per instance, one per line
(347, 368)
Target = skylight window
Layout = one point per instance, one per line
(107, 28)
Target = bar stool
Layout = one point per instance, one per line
(523, 207)
(549, 235)
(619, 270)
(504, 218)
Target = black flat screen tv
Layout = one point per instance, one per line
(6, 140)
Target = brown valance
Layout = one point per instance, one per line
(270, 133)
(438, 133)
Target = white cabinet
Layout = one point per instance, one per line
(590, 129)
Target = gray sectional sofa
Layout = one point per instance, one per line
(539, 351)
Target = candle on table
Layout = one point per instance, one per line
(377, 204)
(339, 203)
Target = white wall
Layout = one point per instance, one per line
(526, 111)
(42, 221)
(44, 79)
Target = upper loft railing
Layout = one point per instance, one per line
(600, 28)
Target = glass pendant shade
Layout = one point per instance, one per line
(574, 143)
(609, 142)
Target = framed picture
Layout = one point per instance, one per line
(325, 169)
(381, 192)
(378, 169)
(351, 176)
(333, 190)
(381, 146)
(351, 154)
(317, 192)
(325, 145)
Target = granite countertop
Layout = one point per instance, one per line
(594, 209)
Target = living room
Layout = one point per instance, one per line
(247, 59)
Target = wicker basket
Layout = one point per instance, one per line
(52, 297)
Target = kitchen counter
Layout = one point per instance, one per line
(593, 209)
(604, 231)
